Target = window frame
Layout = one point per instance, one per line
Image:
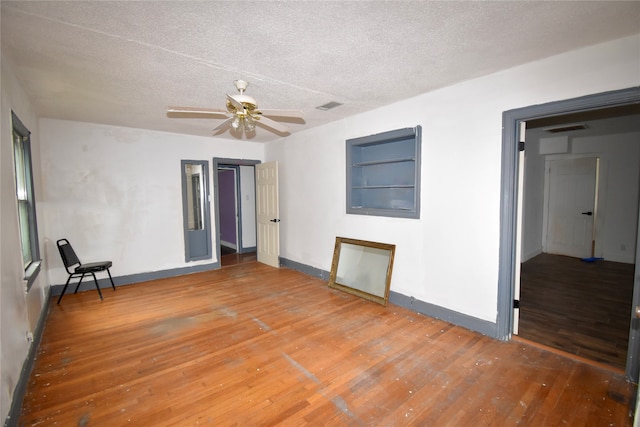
(25, 200)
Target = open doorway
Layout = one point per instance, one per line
(229, 208)
(580, 215)
(234, 207)
(511, 242)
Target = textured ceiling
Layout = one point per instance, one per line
(123, 63)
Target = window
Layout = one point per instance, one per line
(383, 174)
(26, 200)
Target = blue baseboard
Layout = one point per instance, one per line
(469, 322)
(422, 307)
(481, 326)
(21, 387)
(103, 282)
(431, 310)
(303, 268)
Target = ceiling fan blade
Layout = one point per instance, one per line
(223, 125)
(282, 113)
(271, 123)
(195, 110)
(235, 103)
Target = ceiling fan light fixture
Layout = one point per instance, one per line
(241, 85)
(249, 124)
(242, 114)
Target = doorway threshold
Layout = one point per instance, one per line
(568, 355)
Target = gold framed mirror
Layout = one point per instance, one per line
(362, 268)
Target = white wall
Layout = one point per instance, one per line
(534, 200)
(449, 257)
(116, 194)
(19, 310)
(617, 196)
(248, 203)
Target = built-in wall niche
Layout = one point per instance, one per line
(383, 174)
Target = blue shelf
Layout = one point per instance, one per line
(383, 174)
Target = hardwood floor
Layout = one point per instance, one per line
(251, 345)
(229, 256)
(236, 258)
(578, 307)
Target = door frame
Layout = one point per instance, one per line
(217, 161)
(511, 121)
(237, 202)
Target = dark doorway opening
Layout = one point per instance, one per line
(576, 291)
(510, 234)
(234, 204)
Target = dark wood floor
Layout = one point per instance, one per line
(229, 256)
(578, 307)
(252, 345)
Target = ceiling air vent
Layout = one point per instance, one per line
(329, 105)
(567, 128)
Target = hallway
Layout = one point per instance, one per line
(579, 307)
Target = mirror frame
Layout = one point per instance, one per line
(197, 242)
(333, 283)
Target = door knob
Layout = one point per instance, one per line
(274, 220)
(587, 213)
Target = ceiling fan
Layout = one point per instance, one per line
(242, 112)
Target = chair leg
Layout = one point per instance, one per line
(97, 287)
(78, 285)
(111, 278)
(64, 289)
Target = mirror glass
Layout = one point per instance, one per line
(195, 194)
(362, 268)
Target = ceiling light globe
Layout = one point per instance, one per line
(249, 124)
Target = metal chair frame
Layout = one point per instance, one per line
(70, 259)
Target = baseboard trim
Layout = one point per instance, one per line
(481, 326)
(21, 387)
(229, 245)
(526, 257)
(87, 284)
(303, 268)
(567, 355)
(468, 322)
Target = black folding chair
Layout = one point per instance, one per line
(76, 269)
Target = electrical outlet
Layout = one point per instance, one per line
(29, 336)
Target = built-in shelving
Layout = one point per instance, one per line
(382, 162)
(383, 174)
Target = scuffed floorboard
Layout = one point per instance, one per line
(251, 345)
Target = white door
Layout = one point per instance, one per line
(267, 213)
(519, 222)
(572, 207)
